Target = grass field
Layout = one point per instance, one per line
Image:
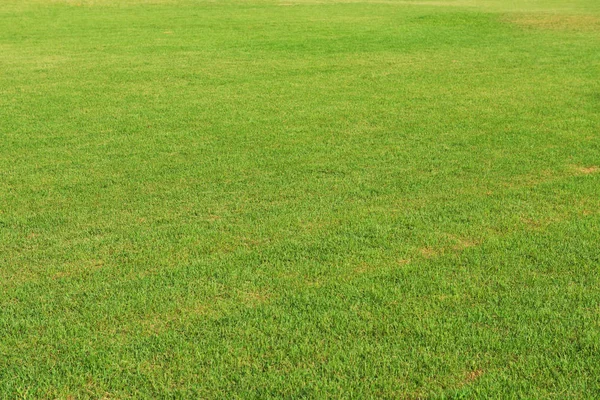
(299, 199)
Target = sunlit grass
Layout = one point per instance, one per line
(264, 199)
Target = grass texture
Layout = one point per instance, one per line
(299, 199)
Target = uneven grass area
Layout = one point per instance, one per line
(299, 199)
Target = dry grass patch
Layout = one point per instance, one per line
(460, 244)
(254, 298)
(429, 252)
(588, 170)
(463, 243)
(449, 3)
(78, 269)
(473, 376)
(556, 22)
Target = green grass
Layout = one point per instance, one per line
(299, 199)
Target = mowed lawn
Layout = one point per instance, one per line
(299, 199)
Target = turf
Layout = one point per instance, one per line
(299, 199)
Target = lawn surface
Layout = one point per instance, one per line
(298, 198)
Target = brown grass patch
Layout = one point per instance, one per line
(473, 376)
(254, 299)
(429, 252)
(102, 3)
(460, 244)
(78, 269)
(453, 3)
(532, 223)
(463, 243)
(540, 223)
(588, 170)
(363, 268)
(556, 22)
